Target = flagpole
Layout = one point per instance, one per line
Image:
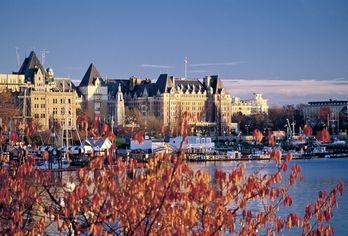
(185, 62)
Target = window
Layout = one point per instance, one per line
(62, 111)
(42, 105)
(43, 115)
(36, 116)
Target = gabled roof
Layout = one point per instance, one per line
(163, 83)
(65, 85)
(150, 88)
(100, 143)
(30, 66)
(185, 84)
(91, 75)
(113, 84)
(216, 83)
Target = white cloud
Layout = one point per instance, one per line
(281, 92)
(233, 63)
(198, 71)
(156, 66)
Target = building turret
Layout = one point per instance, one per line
(119, 106)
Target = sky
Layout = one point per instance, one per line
(293, 51)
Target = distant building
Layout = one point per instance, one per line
(250, 107)
(333, 113)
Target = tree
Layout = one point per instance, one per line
(8, 104)
(278, 116)
(149, 123)
(133, 117)
(242, 120)
(165, 196)
(154, 125)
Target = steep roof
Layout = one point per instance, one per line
(91, 75)
(163, 83)
(113, 84)
(30, 66)
(216, 83)
(65, 85)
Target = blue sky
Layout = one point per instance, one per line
(239, 40)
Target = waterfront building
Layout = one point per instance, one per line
(333, 113)
(205, 104)
(47, 100)
(250, 107)
(192, 144)
(94, 92)
(55, 106)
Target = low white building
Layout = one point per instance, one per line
(99, 145)
(192, 144)
(148, 146)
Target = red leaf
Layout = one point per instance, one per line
(307, 130)
(13, 137)
(95, 120)
(139, 136)
(323, 136)
(106, 129)
(271, 138)
(257, 135)
(288, 201)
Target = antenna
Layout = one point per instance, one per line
(43, 56)
(185, 62)
(17, 56)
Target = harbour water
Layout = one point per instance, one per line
(319, 175)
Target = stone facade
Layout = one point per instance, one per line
(205, 103)
(57, 106)
(47, 98)
(12, 82)
(94, 92)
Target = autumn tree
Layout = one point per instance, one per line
(164, 196)
(149, 123)
(133, 117)
(9, 106)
